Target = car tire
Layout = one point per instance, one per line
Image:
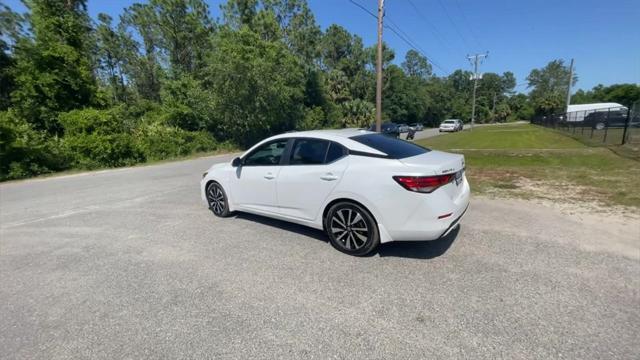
(599, 126)
(351, 229)
(217, 200)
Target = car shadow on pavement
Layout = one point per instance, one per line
(419, 249)
(406, 249)
(299, 229)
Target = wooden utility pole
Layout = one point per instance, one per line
(569, 85)
(476, 58)
(379, 68)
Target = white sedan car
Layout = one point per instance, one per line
(451, 125)
(362, 188)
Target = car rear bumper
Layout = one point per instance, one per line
(431, 217)
(454, 223)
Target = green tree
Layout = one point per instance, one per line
(521, 107)
(257, 87)
(549, 87)
(184, 28)
(417, 65)
(111, 58)
(54, 72)
(10, 32)
(142, 64)
(187, 105)
(404, 99)
(358, 113)
(625, 94)
(238, 13)
(298, 26)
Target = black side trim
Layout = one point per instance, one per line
(362, 153)
(454, 222)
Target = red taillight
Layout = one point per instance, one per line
(423, 184)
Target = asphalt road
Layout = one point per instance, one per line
(130, 264)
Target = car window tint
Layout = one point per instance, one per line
(336, 151)
(308, 152)
(267, 154)
(394, 148)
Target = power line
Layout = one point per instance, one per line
(432, 27)
(466, 22)
(401, 37)
(454, 24)
(414, 47)
(364, 9)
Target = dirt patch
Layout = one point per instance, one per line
(570, 198)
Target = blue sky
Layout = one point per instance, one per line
(602, 36)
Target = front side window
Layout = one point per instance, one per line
(309, 152)
(267, 154)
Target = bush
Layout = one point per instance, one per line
(90, 151)
(158, 141)
(92, 121)
(25, 152)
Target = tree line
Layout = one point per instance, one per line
(166, 79)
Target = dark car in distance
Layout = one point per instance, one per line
(387, 128)
(613, 119)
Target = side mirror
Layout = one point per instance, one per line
(236, 162)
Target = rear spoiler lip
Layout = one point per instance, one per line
(368, 154)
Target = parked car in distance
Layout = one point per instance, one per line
(387, 128)
(451, 125)
(614, 119)
(417, 127)
(362, 188)
(403, 128)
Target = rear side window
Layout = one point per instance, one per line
(394, 148)
(336, 151)
(308, 152)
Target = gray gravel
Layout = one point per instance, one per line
(129, 264)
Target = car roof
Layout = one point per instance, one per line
(341, 136)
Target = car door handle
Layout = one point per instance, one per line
(269, 176)
(329, 177)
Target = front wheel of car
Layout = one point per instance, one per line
(599, 126)
(217, 200)
(352, 229)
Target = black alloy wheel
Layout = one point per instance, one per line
(217, 199)
(352, 229)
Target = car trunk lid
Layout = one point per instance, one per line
(438, 163)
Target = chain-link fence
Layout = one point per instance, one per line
(609, 126)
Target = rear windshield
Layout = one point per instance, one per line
(394, 148)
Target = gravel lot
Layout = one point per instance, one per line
(129, 264)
